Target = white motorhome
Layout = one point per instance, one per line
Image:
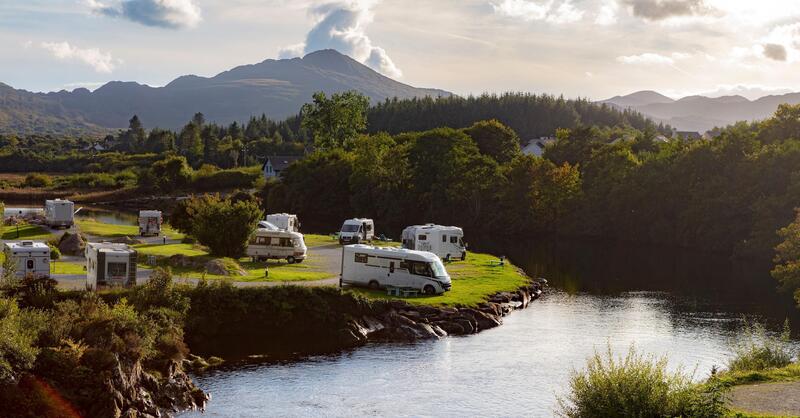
(110, 265)
(268, 243)
(150, 222)
(32, 258)
(285, 221)
(445, 241)
(379, 267)
(357, 230)
(59, 212)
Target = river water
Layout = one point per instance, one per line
(680, 304)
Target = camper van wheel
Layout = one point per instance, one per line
(374, 285)
(428, 289)
(290, 259)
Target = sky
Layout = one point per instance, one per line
(578, 48)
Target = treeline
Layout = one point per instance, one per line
(529, 115)
(730, 194)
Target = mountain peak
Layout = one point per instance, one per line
(639, 98)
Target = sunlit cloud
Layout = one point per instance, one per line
(102, 62)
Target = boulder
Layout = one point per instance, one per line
(72, 244)
(127, 240)
(180, 260)
(223, 267)
(483, 319)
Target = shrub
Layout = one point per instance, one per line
(757, 350)
(37, 180)
(223, 225)
(237, 178)
(19, 330)
(55, 253)
(636, 386)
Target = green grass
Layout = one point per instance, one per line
(474, 280)
(316, 240)
(279, 271)
(28, 232)
(61, 267)
(101, 229)
(788, 373)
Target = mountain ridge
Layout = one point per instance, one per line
(702, 113)
(277, 88)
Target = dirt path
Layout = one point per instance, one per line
(782, 399)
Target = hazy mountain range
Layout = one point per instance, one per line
(700, 113)
(277, 88)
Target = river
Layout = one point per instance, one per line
(681, 304)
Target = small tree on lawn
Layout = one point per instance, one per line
(222, 225)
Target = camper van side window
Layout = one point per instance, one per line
(286, 242)
(422, 237)
(117, 269)
(444, 238)
(262, 241)
(453, 239)
(361, 258)
(30, 264)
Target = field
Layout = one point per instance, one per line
(29, 232)
(279, 271)
(316, 240)
(473, 281)
(100, 229)
(60, 267)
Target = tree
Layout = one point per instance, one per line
(170, 174)
(787, 259)
(190, 145)
(223, 225)
(495, 140)
(337, 121)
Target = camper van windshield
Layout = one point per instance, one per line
(349, 228)
(438, 269)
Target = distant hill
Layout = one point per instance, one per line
(700, 113)
(277, 88)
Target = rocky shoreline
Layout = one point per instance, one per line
(398, 321)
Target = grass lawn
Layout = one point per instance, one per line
(473, 281)
(62, 267)
(279, 271)
(789, 373)
(28, 232)
(316, 240)
(100, 229)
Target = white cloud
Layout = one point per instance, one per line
(102, 62)
(552, 11)
(651, 58)
(607, 15)
(341, 25)
(173, 14)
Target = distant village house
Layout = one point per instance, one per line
(536, 146)
(688, 135)
(274, 165)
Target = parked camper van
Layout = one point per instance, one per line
(284, 221)
(445, 241)
(357, 230)
(32, 258)
(150, 222)
(267, 243)
(378, 267)
(59, 212)
(110, 264)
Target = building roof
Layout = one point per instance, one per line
(280, 162)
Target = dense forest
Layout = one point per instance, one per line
(529, 115)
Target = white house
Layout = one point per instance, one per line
(536, 146)
(275, 164)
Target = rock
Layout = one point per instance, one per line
(179, 260)
(127, 240)
(72, 244)
(223, 267)
(482, 319)
(451, 328)
(466, 325)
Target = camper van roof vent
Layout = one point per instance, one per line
(27, 243)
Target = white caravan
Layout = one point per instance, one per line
(445, 241)
(268, 243)
(59, 212)
(285, 221)
(357, 230)
(32, 258)
(110, 265)
(150, 222)
(379, 267)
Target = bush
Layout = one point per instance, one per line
(237, 178)
(37, 180)
(19, 330)
(55, 253)
(759, 351)
(637, 386)
(223, 225)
